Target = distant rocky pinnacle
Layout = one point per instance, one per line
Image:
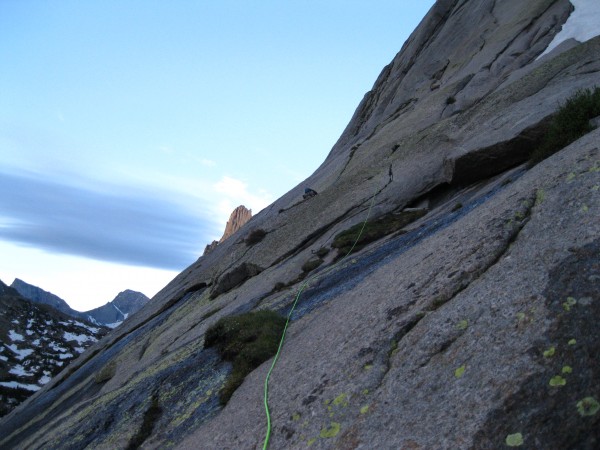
(237, 219)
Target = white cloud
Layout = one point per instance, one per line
(208, 162)
(233, 192)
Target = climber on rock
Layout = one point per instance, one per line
(308, 193)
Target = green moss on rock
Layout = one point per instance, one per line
(247, 340)
(373, 230)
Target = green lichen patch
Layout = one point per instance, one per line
(463, 324)
(585, 208)
(341, 400)
(540, 196)
(514, 440)
(550, 352)
(567, 369)
(588, 406)
(572, 341)
(247, 341)
(332, 431)
(557, 381)
(571, 301)
(296, 417)
(364, 409)
(458, 373)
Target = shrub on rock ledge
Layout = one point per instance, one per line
(247, 341)
(570, 123)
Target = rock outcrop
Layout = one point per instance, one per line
(473, 327)
(237, 220)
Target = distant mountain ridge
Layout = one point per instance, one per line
(38, 295)
(37, 341)
(112, 314)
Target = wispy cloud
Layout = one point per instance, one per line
(234, 192)
(111, 223)
(208, 162)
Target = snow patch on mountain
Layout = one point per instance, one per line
(582, 25)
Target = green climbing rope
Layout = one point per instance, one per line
(289, 316)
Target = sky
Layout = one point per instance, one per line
(130, 129)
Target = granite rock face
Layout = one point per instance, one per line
(472, 327)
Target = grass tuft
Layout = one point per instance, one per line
(255, 236)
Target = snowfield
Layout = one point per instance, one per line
(582, 25)
(80, 338)
(15, 385)
(20, 354)
(14, 336)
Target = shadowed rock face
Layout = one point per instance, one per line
(472, 325)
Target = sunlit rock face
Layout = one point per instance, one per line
(237, 220)
(472, 326)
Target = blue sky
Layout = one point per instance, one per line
(129, 130)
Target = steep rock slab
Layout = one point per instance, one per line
(441, 347)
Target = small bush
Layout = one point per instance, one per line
(255, 236)
(106, 373)
(279, 286)
(322, 252)
(151, 416)
(571, 121)
(373, 231)
(247, 340)
(450, 100)
(311, 264)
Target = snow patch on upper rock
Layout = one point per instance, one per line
(582, 25)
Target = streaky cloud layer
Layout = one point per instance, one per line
(116, 223)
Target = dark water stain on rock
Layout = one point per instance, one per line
(552, 409)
